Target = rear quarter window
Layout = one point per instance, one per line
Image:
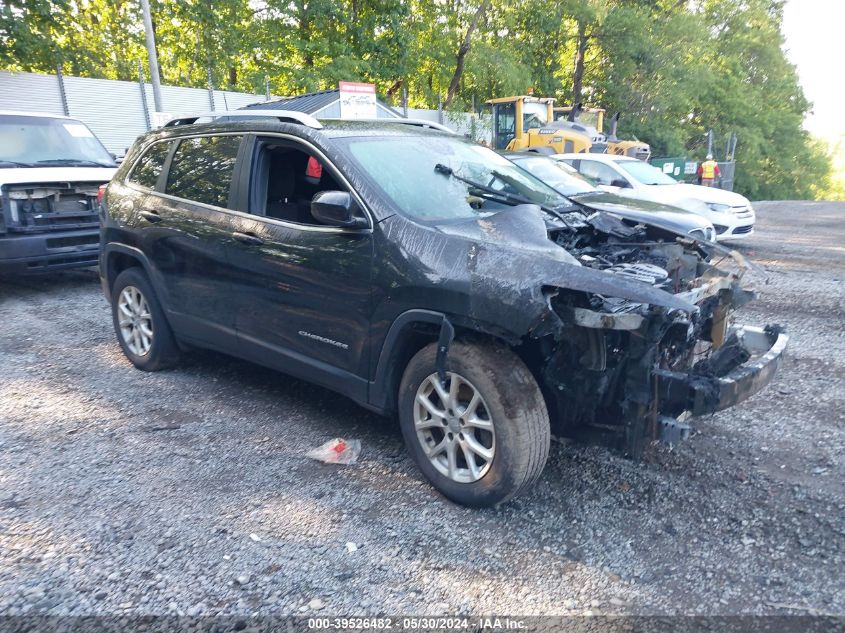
(149, 166)
(201, 169)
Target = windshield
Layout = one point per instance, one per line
(589, 118)
(645, 173)
(404, 169)
(534, 115)
(35, 141)
(555, 174)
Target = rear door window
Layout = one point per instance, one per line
(202, 168)
(149, 166)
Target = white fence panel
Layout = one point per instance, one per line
(178, 100)
(475, 126)
(426, 115)
(30, 92)
(112, 109)
(228, 100)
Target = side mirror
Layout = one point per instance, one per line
(337, 208)
(622, 184)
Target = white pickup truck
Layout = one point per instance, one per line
(50, 170)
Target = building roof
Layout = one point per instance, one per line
(309, 103)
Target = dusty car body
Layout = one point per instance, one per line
(622, 330)
(629, 332)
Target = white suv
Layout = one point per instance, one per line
(731, 214)
(50, 170)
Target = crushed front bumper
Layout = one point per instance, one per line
(700, 393)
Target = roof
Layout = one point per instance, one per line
(309, 103)
(329, 128)
(526, 155)
(337, 128)
(603, 158)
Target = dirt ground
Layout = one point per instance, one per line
(187, 491)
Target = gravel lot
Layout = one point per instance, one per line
(187, 491)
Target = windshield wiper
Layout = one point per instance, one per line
(13, 163)
(508, 198)
(80, 162)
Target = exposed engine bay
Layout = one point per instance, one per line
(50, 206)
(649, 367)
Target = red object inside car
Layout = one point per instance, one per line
(314, 168)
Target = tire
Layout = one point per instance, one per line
(509, 457)
(134, 301)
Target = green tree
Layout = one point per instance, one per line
(99, 38)
(195, 38)
(674, 69)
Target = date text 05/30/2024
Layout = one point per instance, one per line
(416, 624)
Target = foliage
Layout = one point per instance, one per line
(674, 69)
(835, 187)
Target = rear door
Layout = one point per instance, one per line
(186, 228)
(301, 290)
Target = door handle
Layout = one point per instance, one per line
(247, 238)
(150, 216)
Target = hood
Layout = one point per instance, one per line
(35, 175)
(511, 249)
(519, 228)
(692, 197)
(711, 194)
(655, 213)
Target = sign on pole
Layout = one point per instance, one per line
(160, 118)
(357, 100)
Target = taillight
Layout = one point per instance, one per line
(101, 191)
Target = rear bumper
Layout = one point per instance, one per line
(700, 394)
(43, 252)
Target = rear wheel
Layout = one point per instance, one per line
(139, 322)
(482, 436)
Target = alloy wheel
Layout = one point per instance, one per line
(454, 427)
(135, 321)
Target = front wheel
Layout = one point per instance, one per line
(482, 436)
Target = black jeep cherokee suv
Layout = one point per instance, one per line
(424, 275)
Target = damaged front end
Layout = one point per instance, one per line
(636, 367)
(48, 226)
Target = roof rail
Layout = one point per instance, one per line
(286, 116)
(434, 125)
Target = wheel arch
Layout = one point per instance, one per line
(410, 332)
(120, 257)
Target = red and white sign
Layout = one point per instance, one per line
(357, 100)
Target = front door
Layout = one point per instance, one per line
(301, 290)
